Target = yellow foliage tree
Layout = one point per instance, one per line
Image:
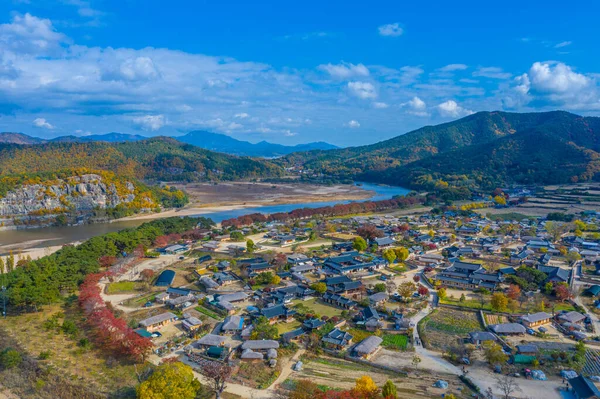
(170, 381)
(365, 387)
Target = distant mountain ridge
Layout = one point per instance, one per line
(206, 140)
(485, 149)
(229, 145)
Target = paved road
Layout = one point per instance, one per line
(429, 359)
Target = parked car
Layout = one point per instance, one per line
(530, 331)
(543, 329)
(148, 304)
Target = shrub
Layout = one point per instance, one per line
(10, 358)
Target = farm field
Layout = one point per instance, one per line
(395, 341)
(443, 327)
(332, 373)
(495, 319)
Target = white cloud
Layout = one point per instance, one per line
(134, 69)
(345, 70)
(563, 44)
(416, 106)
(451, 109)
(362, 90)
(234, 126)
(242, 115)
(42, 123)
(453, 67)
(31, 35)
(548, 77)
(391, 30)
(150, 122)
(353, 124)
(380, 105)
(492, 72)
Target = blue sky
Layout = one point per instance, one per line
(342, 72)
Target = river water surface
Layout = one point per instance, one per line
(50, 236)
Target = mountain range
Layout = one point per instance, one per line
(207, 140)
(229, 145)
(482, 150)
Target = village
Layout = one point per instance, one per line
(454, 297)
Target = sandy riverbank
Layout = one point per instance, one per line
(35, 253)
(257, 194)
(208, 198)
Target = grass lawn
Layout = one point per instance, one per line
(398, 267)
(395, 341)
(319, 308)
(123, 286)
(509, 216)
(563, 306)
(358, 334)
(282, 328)
(468, 303)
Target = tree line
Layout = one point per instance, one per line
(48, 279)
(325, 211)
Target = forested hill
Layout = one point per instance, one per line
(158, 158)
(480, 150)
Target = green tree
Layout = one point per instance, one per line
(380, 287)
(572, 256)
(264, 330)
(236, 236)
(10, 262)
(170, 381)
(250, 246)
(359, 244)
(389, 390)
(494, 354)
(319, 288)
(389, 255)
(499, 302)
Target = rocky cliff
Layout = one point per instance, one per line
(78, 194)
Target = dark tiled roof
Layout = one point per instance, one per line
(584, 388)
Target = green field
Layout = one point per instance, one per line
(282, 328)
(453, 321)
(319, 308)
(208, 312)
(123, 286)
(395, 341)
(468, 303)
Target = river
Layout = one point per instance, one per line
(51, 236)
